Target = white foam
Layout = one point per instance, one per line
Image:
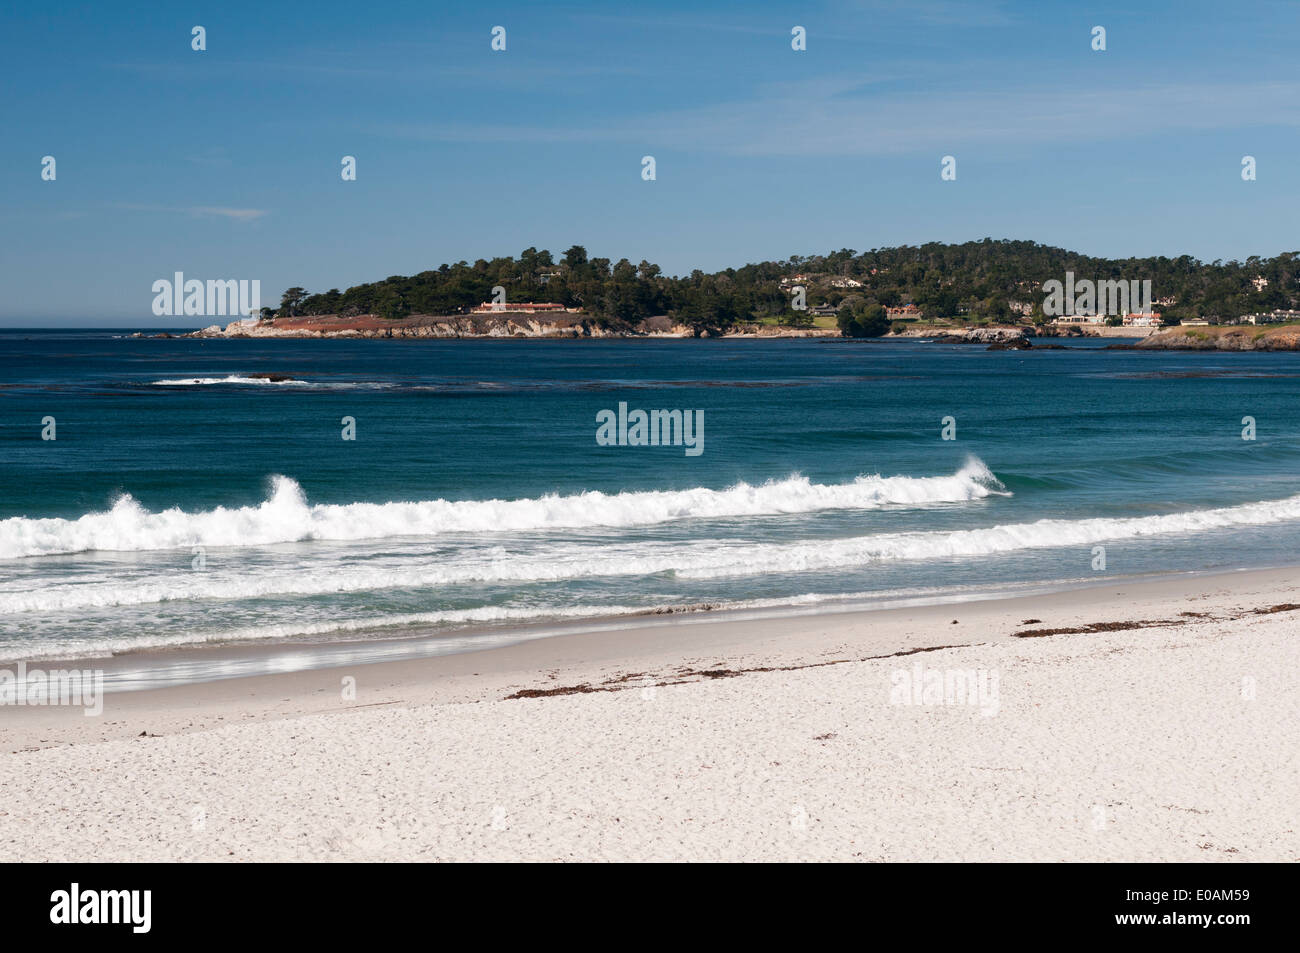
(702, 560)
(993, 540)
(286, 515)
(230, 379)
(377, 625)
(72, 648)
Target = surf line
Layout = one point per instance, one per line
(655, 428)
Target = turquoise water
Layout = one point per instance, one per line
(184, 501)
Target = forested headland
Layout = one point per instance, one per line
(979, 282)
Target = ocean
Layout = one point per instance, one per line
(185, 500)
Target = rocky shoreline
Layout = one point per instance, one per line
(482, 326)
(576, 325)
(560, 326)
(1244, 337)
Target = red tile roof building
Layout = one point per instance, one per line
(517, 307)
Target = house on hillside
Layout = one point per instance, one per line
(1076, 319)
(1271, 317)
(518, 307)
(903, 312)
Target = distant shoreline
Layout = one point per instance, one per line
(526, 326)
(522, 324)
(576, 326)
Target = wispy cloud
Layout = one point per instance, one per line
(198, 211)
(954, 13)
(240, 214)
(844, 19)
(850, 119)
(406, 61)
(684, 22)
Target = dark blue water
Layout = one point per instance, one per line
(184, 500)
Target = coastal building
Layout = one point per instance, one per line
(823, 311)
(1279, 316)
(1260, 282)
(1194, 322)
(1076, 319)
(845, 283)
(903, 311)
(1142, 319)
(517, 307)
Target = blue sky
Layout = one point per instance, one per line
(225, 163)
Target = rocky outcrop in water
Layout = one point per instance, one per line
(1018, 344)
(996, 335)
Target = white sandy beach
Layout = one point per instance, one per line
(1177, 740)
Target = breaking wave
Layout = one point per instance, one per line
(286, 516)
(701, 560)
(230, 379)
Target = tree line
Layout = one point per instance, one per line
(979, 281)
